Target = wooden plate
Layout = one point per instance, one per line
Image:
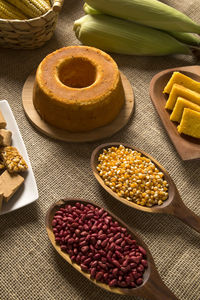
(67, 136)
(187, 147)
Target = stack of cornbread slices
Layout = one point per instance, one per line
(184, 102)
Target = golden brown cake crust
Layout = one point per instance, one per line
(78, 88)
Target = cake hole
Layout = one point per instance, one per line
(77, 73)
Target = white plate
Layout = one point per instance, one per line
(28, 192)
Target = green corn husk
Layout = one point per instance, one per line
(120, 36)
(184, 37)
(151, 13)
(90, 10)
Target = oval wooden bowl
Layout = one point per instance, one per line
(152, 288)
(187, 147)
(172, 206)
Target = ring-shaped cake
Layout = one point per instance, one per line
(78, 88)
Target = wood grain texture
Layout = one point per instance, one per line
(64, 135)
(152, 288)
(187, 147)
(172, 206)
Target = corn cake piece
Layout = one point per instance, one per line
(182, 103)
(2, 121)
(190, 123)
(13, 160)
(181, 91)
(5, 137)
(9, 184)
(183, 80)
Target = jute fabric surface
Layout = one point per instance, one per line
(29, 266)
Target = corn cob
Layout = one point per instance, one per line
(41, 5)
(184, 37)
(8, 11)
(120, 36)
(31, 8)
(48, 2)
(151, 13)
(90, 10)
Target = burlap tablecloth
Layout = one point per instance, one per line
(29, 266)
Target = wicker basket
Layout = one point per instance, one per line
(31, 33)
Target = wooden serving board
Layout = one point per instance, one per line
(187, 147)
(63, 135)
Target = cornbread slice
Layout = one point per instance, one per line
(182, 103)
(181, 91)
(183, 80)
(9, 184)
(190, 123)
(5, 137)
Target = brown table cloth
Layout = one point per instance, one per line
(30, 268)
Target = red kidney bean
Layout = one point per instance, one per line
(104, 227)
(73, 258)
(87, 261)
(84, 268)
(142, 250)
(144, 263)
(140, 268)
(97, 256)
(99, 275)
(113, 282)
(70, 241)
(118, 241)
(133, 265)
(139, 281)
(54, 222)
(93, 273)
(116, 263)
(102, 252)
(63, 247)
(112, 247)
(83, 243)
(85, 249)
(104, 243)
(99, 245)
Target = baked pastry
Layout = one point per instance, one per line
(180, 91)
(190, 123)
(183, 80)
(182, 103)
(78, 88)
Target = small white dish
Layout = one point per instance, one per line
(28, 192)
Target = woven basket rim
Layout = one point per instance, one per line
(51, 10)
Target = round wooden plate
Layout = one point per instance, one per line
(63, 135)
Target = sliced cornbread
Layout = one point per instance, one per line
(183, 80)
(182, 103)
(190, 123)
(181, 91)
